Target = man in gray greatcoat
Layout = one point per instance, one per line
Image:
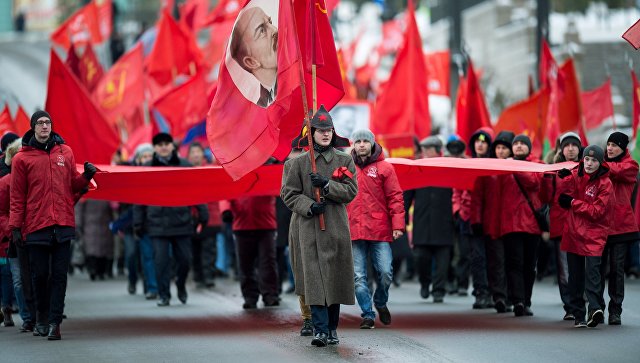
(321, 260)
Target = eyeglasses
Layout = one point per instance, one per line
(40, 123)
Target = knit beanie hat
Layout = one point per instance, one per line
(161, 137)
(594, 151)
(570, 138)
(36, 115)
(432, 141)
(455, 146)
(7, 139)
(363, 134)
(524, 139)
(619, 139)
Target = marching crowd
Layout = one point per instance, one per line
(341, 222)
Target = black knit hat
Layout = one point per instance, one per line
(36, 115)
(161, 137)
(594, 151)
(524, 139)
(619, 139)
(503, 138)
(7, 139)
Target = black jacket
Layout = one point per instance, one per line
(159, 221)
(432, 216)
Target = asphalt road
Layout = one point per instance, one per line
(106, 324)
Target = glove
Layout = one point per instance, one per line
(476, 229)
(318, 180)
(227, 216)
(200, 226)
(563, 173)
(17, 237)
(318, 208)
(89, 170)
(565, 200)
(138, 231)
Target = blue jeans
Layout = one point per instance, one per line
(25, 315)
(148, 264)
(131, 257)
(325, 318)
(381, 259)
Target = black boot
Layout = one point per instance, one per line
(7, 319)
(54, 332)
(307, 328)
(320, 340)
(333, 338)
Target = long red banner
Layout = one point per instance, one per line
(188, 186)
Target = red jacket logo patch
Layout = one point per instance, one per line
(591, 191)
(60, 160)
(372, 172)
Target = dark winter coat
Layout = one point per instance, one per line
(159, 221)
(92, 226)
(432, 216)
(321, 260)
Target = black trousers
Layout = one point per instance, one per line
(463, 267)
(325, 318)
(521, 252)
(27, 283)
(204, 251)
(613, 257)
(584, 279)
(496, 269)
(181, 248)
(478, 263)
(257, 247)
(562, 272)
(424, 256)
(49, 267)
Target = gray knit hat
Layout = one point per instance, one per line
(594, 151)
(363, 134)
(432, 141)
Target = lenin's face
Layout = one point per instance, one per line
(260, 38)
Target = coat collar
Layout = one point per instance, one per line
(327, 155)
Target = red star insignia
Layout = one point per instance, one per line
(322, 117)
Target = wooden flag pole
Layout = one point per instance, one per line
(307, 116)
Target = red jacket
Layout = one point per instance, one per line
(44, 186)
(251, 213)
(550, 190)
(515, 213)
(5, 232)
(623, 175)
(587, 227)
(378, 208)
(485, 205)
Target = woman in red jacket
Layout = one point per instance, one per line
(588, 198)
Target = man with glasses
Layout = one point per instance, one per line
(42, 215)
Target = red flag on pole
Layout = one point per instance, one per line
(193, 14)
(90, 69)
(73, 61)
(473, 113)
(121, 89)
(185, 105)
(81, 28)
(632, 35)
(547, 63)
(438, 72)
(600, 105)
(6, 123)
(174, 52)
(257, 109)
(22, 121)
(226, 10)
(76, 118)
(403, 104)
(636, 103)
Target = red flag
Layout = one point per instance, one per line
(73, 61)
(349, 89)
(218, 37)
(174, 52)
(438, 72)
(226, 10)
(636, 103)
(121, 89)
(403, 105)
(600, 105)
(570, 105)
(90, 69)
(474, 113)
(392, 37)
(547, 63)
(193, 14)
(242, 132)
(104, 10)
(6, 123)
(80, 29)
(140, 135)
(527, 117)
(76, 118)
(313, 44)
(185, 105)
(632, 35)
(22, 121)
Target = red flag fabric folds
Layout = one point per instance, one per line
(438, 72)
(599, 105)
(174, 52)
(632, 35)
(22, 121)
(76, 118)
(6, 123)
(472, 112)
(90, 69)
(248, 121)
(83, 27)
(636, 103)
(121, 89)
(403, 104)
(157, 186)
